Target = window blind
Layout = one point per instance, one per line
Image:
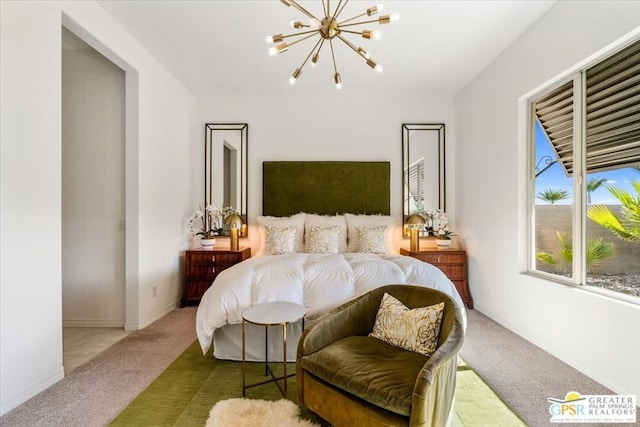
(415, 180)
(613, 111)
(555, 113)
(612, 114)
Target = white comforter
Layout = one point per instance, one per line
(319, 282)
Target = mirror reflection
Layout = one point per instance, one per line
(225, 154)
(423, 157)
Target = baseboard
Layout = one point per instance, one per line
(26, 394)
(131, 326)
(92, 324)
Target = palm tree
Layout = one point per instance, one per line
(627, 226)
(592, 185)
(552, 195)
(597, 250)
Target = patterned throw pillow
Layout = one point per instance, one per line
(324, 240)
(415, 330)
(279, 241)
(371, 240)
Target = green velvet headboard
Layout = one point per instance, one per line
(326, 188)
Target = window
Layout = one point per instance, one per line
(584, 186)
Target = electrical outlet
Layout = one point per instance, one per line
(154, 289)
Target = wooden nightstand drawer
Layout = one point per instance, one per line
(441, 258)
(203, 271)
(214, 256)
(203, 266)
(452, 262)
(453, 272)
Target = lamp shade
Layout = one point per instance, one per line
(234, 220)
(414, 219)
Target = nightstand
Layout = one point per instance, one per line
(203, 265)
(452, 262)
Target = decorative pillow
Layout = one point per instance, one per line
(279, 241)
(371, 240)
(369, 221)
(415, 330)
(324, 240)
(325, 221)
(296, 221)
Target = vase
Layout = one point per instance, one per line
(207, 243)
(443, 243)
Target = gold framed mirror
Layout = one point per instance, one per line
(225, 165)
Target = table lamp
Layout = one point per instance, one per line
(414, 223)
(235, 222)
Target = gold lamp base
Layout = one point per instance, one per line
(234, 242)
(414, 239)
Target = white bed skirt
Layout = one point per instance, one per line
(227, 342)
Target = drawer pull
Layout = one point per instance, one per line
(213, 258)
(438, 258)
(213, 269)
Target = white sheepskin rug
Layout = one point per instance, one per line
(256, 413)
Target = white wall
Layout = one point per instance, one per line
(595, 334)
(158, 167)
(335, 126)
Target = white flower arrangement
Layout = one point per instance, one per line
(436, 222)
(211, 221)
(444, 232)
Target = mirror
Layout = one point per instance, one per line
(423, 168)
(225, 158)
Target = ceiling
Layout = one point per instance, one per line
(218, 47)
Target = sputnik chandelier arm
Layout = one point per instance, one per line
(328, 28)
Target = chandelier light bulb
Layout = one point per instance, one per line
(377, 35)
(373, 64)
(394, 17)
(375, 9)
(338, 80)
(274, 38)
(315, 58)
(314, 24)
(364, 53)
(283, 47)
(294, 77)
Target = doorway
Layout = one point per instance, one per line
(93, 187)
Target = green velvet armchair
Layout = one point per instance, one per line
(351, 379)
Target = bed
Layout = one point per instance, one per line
(318, 260)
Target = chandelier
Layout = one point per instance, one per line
(330, 28)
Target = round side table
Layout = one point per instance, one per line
(271, 314)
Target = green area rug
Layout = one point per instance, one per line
(186, 391)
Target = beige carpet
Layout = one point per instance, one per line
(523, 375)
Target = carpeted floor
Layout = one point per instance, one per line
(185, 393)
(96, 392)
(92, 395)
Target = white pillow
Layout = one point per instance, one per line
(323, 240)
(296, 221)
(326, 221)
(415, 330)
(368, 221)
(279, 241)
(371, 240)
